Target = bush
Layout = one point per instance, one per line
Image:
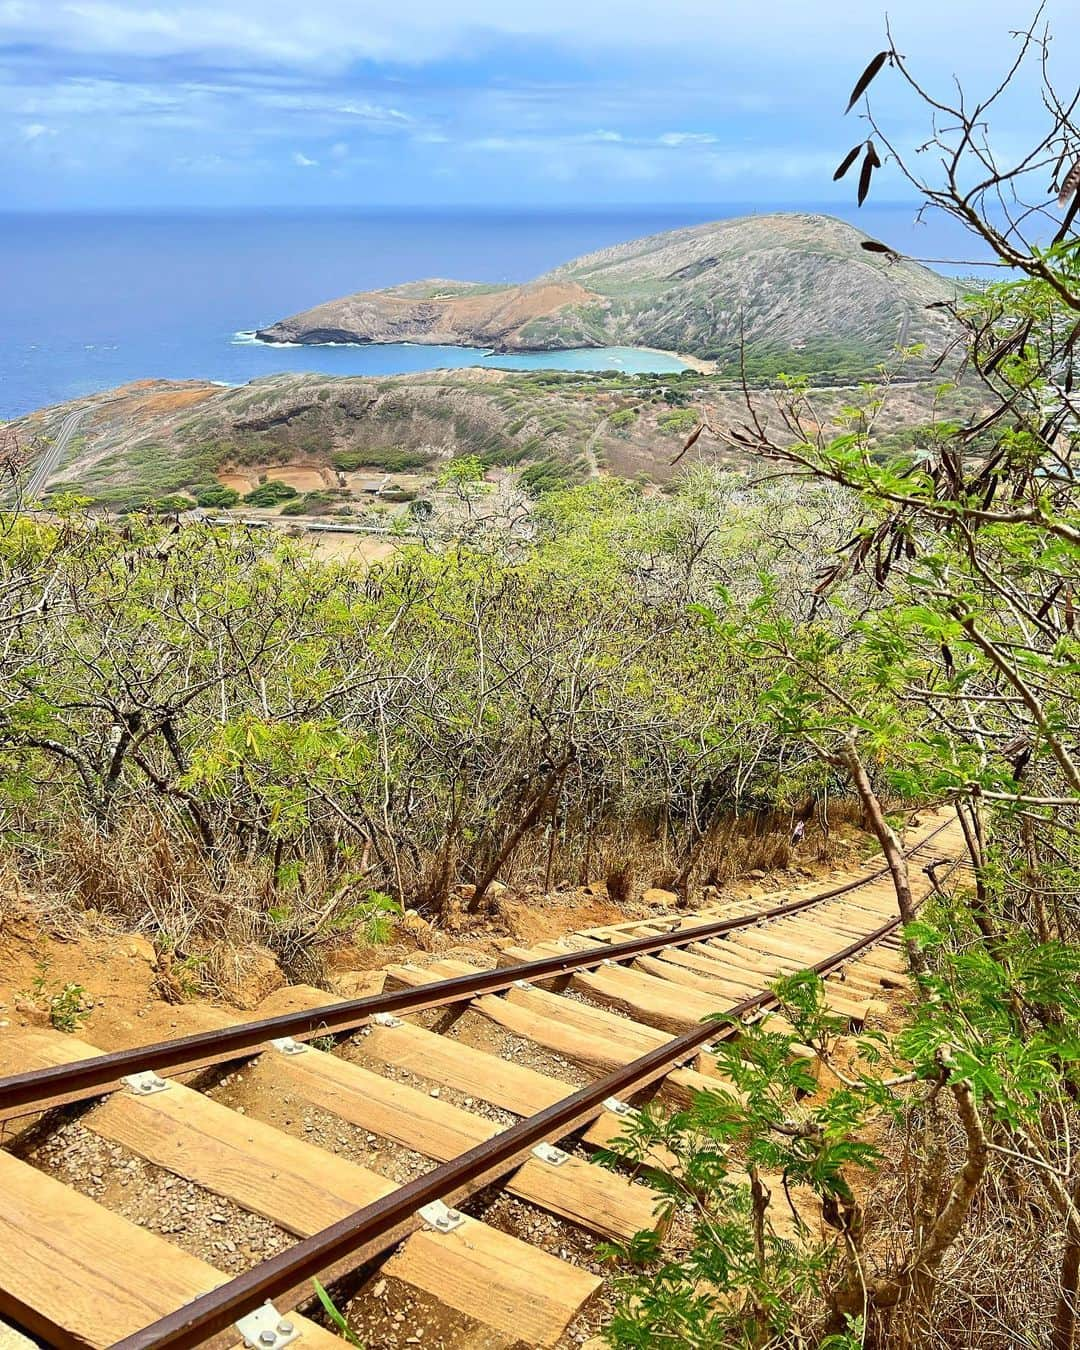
(271, 493)
(214, 494)
(680, 422)
(547, 476)
(170, 505)
(388, 457)
(310, 504)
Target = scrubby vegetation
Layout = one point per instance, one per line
(214, 495)
(223, 734)
(389, 458)
(271, 493)
(312, 503)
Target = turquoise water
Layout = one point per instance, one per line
(398, 358)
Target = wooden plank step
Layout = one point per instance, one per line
(837, 929)
(795, 954)
(595, 1053)
(896, 976)
(744, 977)
(738, 960)
(512, 956)
(618, 1039)
(853, 998)
(872, 981)
(502, 1082)
(585, 1047)
(634, 1036)
(770, 965)
(833, 926)
(81, 1277)
(584, 1193)
(666, 1006)
(409, 976)
(648, 999)
(489, 1078)
(676, 973)
(855, 986)
(304, 1189)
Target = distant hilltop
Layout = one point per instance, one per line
(782, 283)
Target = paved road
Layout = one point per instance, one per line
(50, 459)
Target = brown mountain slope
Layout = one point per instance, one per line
(147, 440)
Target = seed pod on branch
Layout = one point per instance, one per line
(863, 82)
(1070, 185)
(846, 163)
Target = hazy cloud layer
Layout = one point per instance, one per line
(270, 101)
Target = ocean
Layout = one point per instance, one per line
(91, 301)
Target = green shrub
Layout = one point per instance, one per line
(214, 494)
(680, 422)
(547, 476)
(170, 505)
(311, 503)
(388, 457)
(271, 493)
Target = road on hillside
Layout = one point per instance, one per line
(590, 448)
(50, 457)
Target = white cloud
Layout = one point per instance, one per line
(675, 139)
(34, 131)
(334, 34)
(374, 114)
(303, 162)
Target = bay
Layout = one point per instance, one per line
(94, 300)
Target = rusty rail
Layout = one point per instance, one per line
(213, 1312)
(60, 1084)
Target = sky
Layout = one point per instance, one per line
(240, 103)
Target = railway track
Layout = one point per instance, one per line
(551, 1047)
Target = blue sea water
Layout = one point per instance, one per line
(90, 301)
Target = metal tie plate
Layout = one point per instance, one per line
(288, 1046)
(619, 1107)
(441, 1217)
(267, 1329)
(146, 1084)
(548, 1153)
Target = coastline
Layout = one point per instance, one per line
(487, 357)
(698, 363)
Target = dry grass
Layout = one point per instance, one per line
(143, 877)
(209, 929)
(620, 883)
(996, 1287)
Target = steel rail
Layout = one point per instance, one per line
(220, 1308)
(60, 1084)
